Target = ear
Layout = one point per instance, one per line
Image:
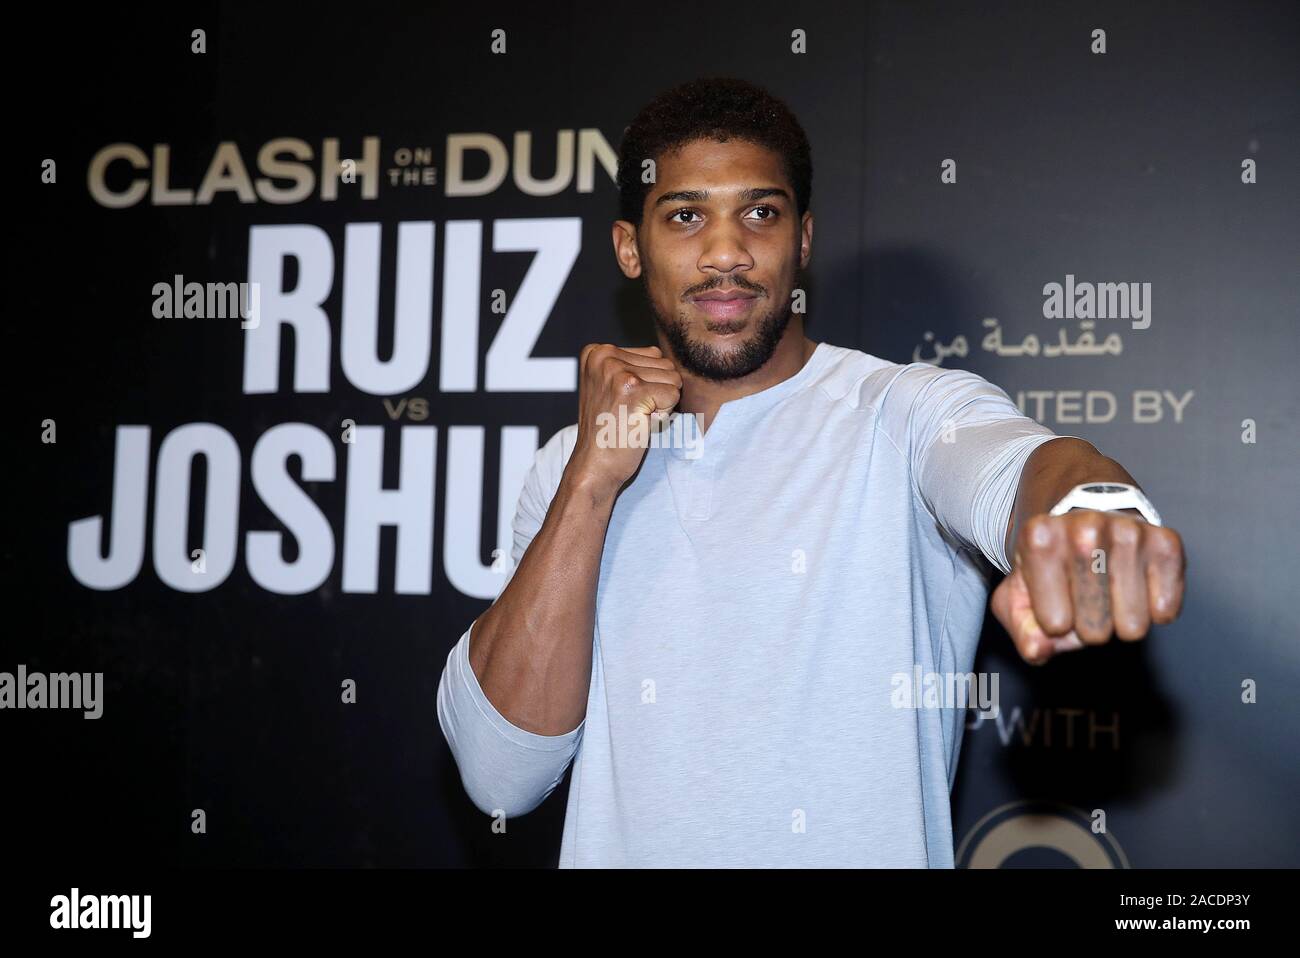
(805, 239)
(626, 249)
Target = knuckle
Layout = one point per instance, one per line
(1125, 533)
(1164, 543)
(1057, 624)
(1038, 534)
(1086, 529)
(602, 359)
(1055, 618)
(1165, 612)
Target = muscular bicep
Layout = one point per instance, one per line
(966, 443)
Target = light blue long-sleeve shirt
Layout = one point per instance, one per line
(762, 589)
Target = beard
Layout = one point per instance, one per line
(719, 365)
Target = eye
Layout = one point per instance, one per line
(688, 212)
(772, 212)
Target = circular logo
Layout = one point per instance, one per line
(1038, 834)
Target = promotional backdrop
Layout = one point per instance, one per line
(266, 530)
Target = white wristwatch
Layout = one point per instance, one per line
(1107, 497)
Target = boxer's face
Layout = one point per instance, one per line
(719, 251)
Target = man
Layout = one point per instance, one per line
(711, 631)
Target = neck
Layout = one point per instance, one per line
(704, 397)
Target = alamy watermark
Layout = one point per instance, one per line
(945, 690)
(59, 690)
(102, 911)
(181, 300)
(674, 431)
(1098, 301)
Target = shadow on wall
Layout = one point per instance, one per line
(904, 291)
(1089, 728)
(530, 841)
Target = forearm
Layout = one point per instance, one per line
(1051, 471)
(531, 651)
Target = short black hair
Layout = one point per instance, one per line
(711, 108)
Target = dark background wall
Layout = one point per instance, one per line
(1117, 167)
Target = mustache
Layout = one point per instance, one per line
(737, 283)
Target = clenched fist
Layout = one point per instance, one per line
(636, 386)
(1079, 578)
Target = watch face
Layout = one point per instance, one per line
(1105, 488)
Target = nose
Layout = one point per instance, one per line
(724, 251)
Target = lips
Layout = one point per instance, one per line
(724, 304)
(724, 294)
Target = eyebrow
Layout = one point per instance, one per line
(701, 196)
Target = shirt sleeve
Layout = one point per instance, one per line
(504, 768)
(967, 444)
